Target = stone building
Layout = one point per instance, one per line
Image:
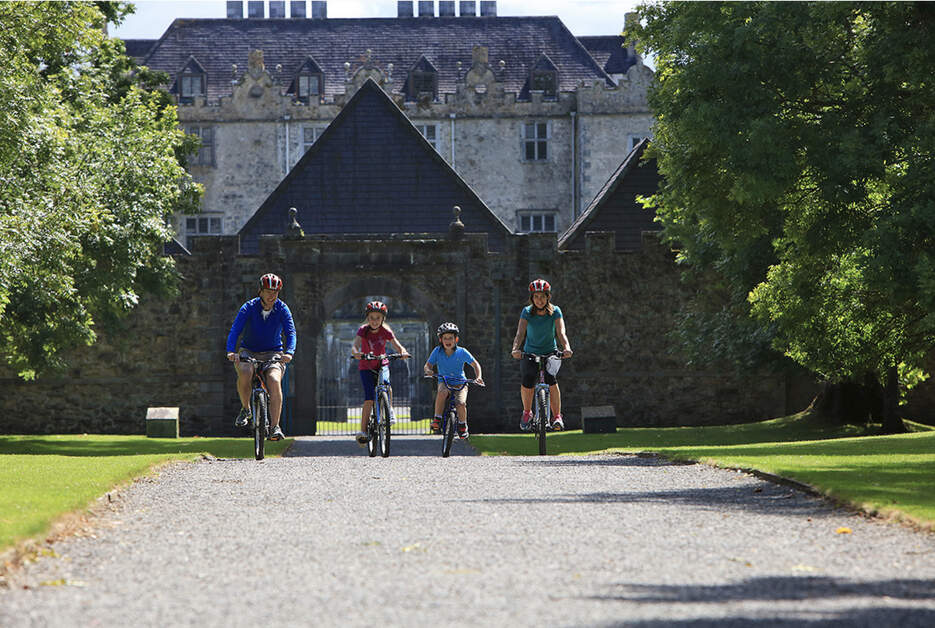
(532, 118)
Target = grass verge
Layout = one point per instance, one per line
(892, 476)
(42, 478)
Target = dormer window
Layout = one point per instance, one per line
(309, 82)
(544, 77)
(423, 81)
(191, 82)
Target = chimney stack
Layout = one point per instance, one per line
(234, 9)
(488, 8)
(319, 9)
(426, 8)
(468, 8)
(255, 9)
(277, 9)
(404, 8)
(446, 8)
(297, 10)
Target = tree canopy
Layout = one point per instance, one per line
(89, 173)
(797, 142)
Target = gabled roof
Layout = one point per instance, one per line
(424, 65)
(615, 208)
(610, 51)
(192, 65)
(519, 41)
(138, 48)
(544, 64)
(371, 172)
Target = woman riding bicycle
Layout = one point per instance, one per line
(263, 321)
(540, 325)
(372, 337)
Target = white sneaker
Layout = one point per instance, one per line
(362, 438)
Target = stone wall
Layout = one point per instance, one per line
(618, 309)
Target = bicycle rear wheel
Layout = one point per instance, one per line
(542, 409)
(259, 409)
(372, 433)
(384, 426)
(448, 433)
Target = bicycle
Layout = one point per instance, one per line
(378, 424)
(450, 415)
(259, 403)
(539, 424)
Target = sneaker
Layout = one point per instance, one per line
(524, 422)
(436, 425)
(462, 430)
(362, 438)
(243, 419)
(557, 424)
(276, 434)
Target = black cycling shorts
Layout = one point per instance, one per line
(529, 371)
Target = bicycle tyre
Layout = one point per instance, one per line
(542, 409)
(259, 408)
(372, 433)
(384, 426)
(448, 433)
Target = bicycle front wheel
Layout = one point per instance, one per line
(372, 433)
(384, 426)
(542, 409)
(259, 408)
(448, 433)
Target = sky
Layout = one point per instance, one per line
(582, 17)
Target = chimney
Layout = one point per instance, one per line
(446, 8)
(234, 9)
(277, 9)
(426, 8)
(404, 8)
(255, 9)
(488, 8)
(319, 9)
(468, 8)
(297, 9)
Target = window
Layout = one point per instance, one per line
(308, 86)
(191, 85)
(430, 133)
(545, 82)
(204, 224)
(544, 221)
(424, 84)
(535, 141)
(205, 156)
(310, 135)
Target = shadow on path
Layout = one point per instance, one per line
(407, 445)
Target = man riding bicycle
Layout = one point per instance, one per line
(263, 321)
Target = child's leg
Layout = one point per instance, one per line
(365, 415)
(440, 400)
(461, 409)
(555, 399)
(526, 395)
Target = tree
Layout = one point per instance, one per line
(797, 144)
(89, 173)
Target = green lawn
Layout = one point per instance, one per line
(890, 475)
(44, 477)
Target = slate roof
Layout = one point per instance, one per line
(138, 48)
(371, 172)
(610, 51)
(615, 208)
(520, 41)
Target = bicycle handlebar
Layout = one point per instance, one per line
(460, 380)
(253, 360)
(382, 356)
(554, 354)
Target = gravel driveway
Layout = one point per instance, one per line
(329, 537)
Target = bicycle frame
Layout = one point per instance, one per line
(259, 403)
(541, 400)
(450, 416)
(378, 424)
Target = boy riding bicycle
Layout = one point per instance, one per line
(263, 322)
(450, 360)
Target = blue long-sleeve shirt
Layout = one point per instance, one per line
(261, 334)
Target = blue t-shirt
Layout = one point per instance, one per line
(451, 365)
(262, 334)
(540, 331)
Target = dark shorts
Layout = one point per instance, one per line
(368, 380)
(529, 371)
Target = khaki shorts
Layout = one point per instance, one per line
(262, 356)
(460, 395)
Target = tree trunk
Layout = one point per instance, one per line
(892, 424)
(852, 402)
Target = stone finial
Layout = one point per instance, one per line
(295, 231)
(480, 55)
(456, 227)
(255, 64)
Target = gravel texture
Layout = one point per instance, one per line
(330, 537)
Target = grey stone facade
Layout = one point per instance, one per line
(618, 308)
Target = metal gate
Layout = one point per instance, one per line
(340, 394)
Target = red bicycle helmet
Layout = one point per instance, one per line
(376, 306)
(271, 282)
(540, 285)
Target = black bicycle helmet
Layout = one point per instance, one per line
(447, 328)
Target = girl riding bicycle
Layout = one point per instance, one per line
(540, 325)
(372, 337)
(450, 360)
